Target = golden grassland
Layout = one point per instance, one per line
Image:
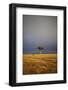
(39, 63)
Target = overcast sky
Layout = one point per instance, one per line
(39, 31)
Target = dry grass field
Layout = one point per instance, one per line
(39, 63)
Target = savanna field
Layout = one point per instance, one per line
(39, 64)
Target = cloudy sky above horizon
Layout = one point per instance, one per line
(39, 31)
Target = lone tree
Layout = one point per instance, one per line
(40, 49)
